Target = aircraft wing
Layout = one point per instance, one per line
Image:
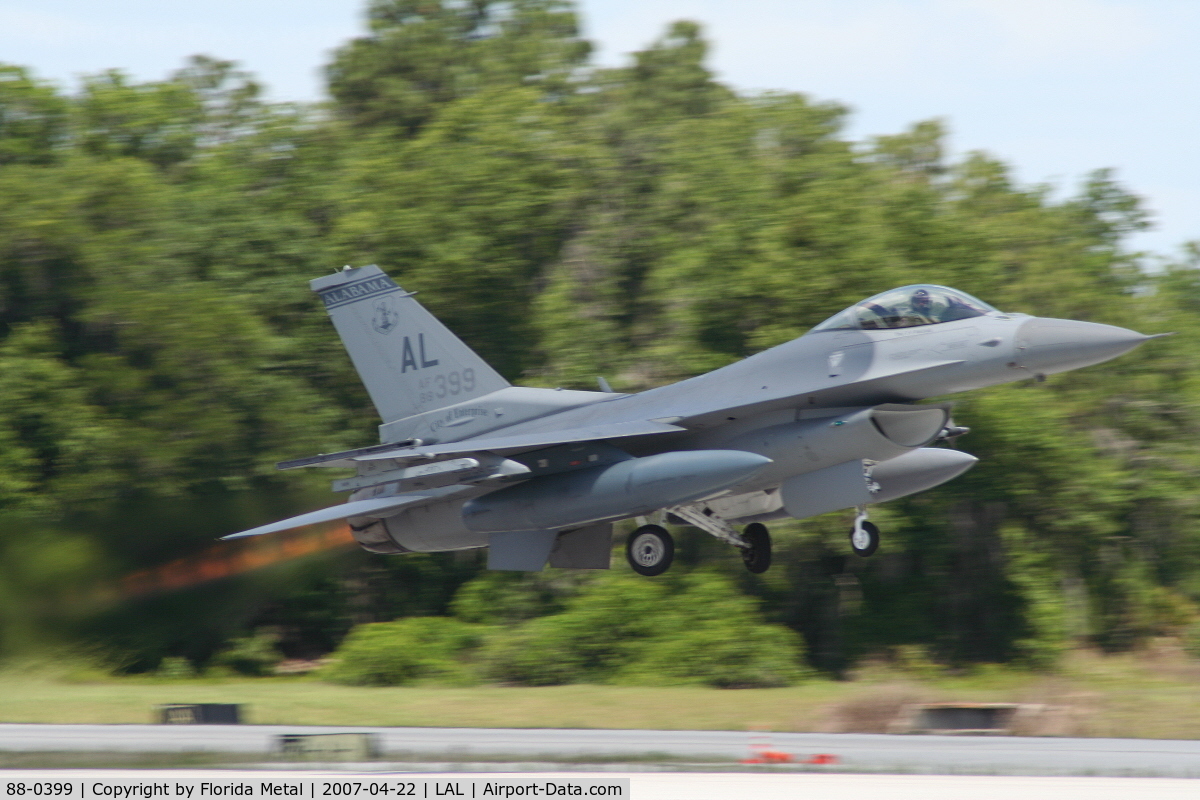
(486, 444)
(375, 507)
(525, 441)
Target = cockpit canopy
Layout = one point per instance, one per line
(907, 307)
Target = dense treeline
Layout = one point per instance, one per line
(160, 351)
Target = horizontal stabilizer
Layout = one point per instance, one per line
(375, 506)
(525, 441)
(345, 458)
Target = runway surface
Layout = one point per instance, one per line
(1001, 755)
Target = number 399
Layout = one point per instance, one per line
(453, 383)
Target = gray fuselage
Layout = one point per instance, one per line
(779, 404)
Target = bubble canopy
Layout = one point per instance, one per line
(907, 307)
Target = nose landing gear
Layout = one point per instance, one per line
(864, 535)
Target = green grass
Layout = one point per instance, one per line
(1153, 694)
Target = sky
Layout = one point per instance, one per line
(1056, 88)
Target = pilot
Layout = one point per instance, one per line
(921, 303)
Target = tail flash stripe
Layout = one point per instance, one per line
(360, 290)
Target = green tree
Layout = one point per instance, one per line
(33, 118)
(157, 122)
(404, 651)
(421, 55)
(627, 630)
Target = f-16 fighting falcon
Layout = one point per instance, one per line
(824, 422)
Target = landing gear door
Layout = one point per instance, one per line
(584, 548)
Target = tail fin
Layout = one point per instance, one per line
(409, 362)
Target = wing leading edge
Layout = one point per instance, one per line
(490, 444)
(374, 507)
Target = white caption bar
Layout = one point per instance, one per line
(37, 785)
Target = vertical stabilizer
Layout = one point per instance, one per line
(409, 362)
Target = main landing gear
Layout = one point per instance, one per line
(757, 556)
(864, 535)
(650, 549)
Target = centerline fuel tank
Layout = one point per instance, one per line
(613, 491)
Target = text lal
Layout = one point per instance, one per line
(447, 789)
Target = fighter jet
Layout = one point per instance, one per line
(826, 422)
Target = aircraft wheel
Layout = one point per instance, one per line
(864, 538)
(757, 557)
(650, 550)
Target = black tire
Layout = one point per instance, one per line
(650, 550)
(868, 543)
(757, 557)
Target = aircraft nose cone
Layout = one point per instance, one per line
(1047, 345)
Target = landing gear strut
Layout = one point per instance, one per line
(864, 536)
(755, 542)
(650, 550)
(757, 556)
